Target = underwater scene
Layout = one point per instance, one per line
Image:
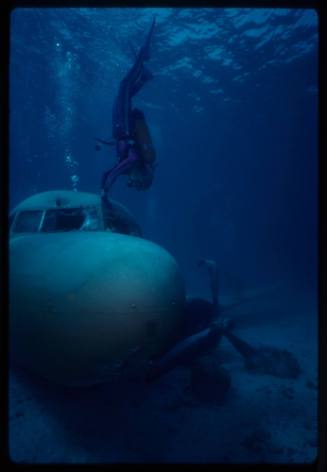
(163, 183)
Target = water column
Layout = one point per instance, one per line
(66, 68)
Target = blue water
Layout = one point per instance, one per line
(232, 109)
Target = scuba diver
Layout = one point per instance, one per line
(135, 151)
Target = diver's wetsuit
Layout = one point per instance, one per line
(129, 154)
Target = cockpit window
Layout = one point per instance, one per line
(70, 219)
(62, 220)
(57, 220)
(28, 221)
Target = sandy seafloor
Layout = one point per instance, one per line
(262, 419)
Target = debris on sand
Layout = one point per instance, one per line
(273, 361)
(267, 360)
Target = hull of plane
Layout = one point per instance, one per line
(86, 308)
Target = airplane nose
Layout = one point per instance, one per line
(84, 305)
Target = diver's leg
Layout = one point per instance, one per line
(141, 80)
(130, 85)
(111, 175)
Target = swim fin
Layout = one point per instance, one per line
(145, 50)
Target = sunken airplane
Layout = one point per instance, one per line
(91, 301)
